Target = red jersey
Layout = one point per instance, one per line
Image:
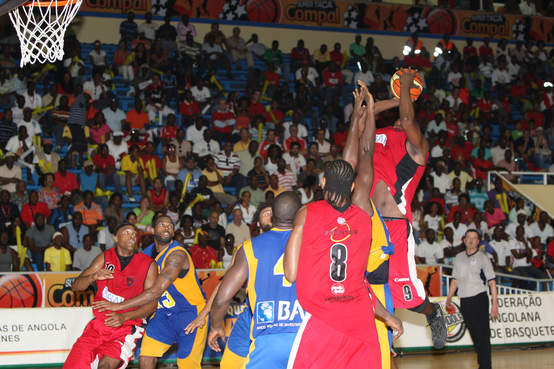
(126, 283)
(331, 268)
(393, 165)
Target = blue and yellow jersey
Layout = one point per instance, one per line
(381, 249)
(185, 293)
(275, 308)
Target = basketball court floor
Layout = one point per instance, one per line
(541, 358)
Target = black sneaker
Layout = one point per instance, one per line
(438, 327)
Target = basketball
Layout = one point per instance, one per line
(415, 91)
(264, 11)
(20, 290)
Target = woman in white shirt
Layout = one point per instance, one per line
(307, 190)
(248, 210)
(433, 218)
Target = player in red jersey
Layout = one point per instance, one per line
(399, 161)
(120, 273)
(327, 256)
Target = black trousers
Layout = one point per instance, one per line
(475, 311)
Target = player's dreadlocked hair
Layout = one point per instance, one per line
(339, 176)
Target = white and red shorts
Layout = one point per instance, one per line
(98, 340)
(320, 346)
(407, 291)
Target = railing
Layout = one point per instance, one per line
(539, 178)
(504, 282)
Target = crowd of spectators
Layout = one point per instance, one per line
(76, 162)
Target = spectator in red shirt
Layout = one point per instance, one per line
(270, 139)
(256, 107)
(485, 104)
(271, 79)
(481, 165)
(294, 138)
(274, 115)
(65, 181)
(485, 51)
(203, 256)
(332, 82)
(464, 208)
(104, 164)
(189, 109)
(32, 208)
(223, 120)
(137, 118)
(299, 56)
(339, 137)
(169, 131)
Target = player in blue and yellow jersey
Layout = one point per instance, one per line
(180, 300)
(276, 312)
(377, 274)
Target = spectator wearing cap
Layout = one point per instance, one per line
(115, 117)
(117, 148)
(45, 160)
(10, 174)
(203, 255)
(91, 211)
(57, 257)
(37, 238)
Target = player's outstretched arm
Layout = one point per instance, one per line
(117, 319)
(418, 146)
(350, 153)
(292, 250)
(366, 146)
(174, 263)
(384, 105)
(95, 272)
(229, 286)
(390, 320)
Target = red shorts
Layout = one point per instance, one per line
(406, 289)
(98, 340)
(318, 345)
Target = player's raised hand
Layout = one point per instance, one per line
(196, 323)
(213, 338)
(114, 320)
(357, 104)
(102, 274)
(396, 325)
(407, 78)
(104, 305)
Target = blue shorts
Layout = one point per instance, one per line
(270, 351)
(239, 339)
(166, 328)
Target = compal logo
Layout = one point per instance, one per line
(455, 324)
(265, 311)
(337, 289)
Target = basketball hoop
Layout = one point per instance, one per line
(41, 26)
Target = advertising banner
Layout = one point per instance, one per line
(344, 14)
(523, 319)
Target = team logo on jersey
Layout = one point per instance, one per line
(381, 139)
(265, 311)
(130, 281)
(341, 232)
(337, 289)
(109, 267)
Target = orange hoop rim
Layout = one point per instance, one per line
(47, 4)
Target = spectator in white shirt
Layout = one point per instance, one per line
(542, 228)
(148, 28)
(95, 87)
(441, 180)
(33, 128)
(458, 228)
(324, 145)
(17, 109)
(500, 75)
(433, 218)
(201, 94)
(449, 248)
(436, 125)
(117, 148)
(32, 98)
(502, 247)
(428, 251)
(364, 75)
(115, 117)
(195, 132)
(207, 146)
(295, 161)
(486, 68)
(84, 256)
(454, 100)
(10, 174)
(309, 73)
(97, 57)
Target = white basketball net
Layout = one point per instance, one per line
(41, 26)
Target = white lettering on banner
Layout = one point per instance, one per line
(111, 297)
(39, 336)
(522, 319)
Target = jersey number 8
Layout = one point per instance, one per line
(339, 256)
